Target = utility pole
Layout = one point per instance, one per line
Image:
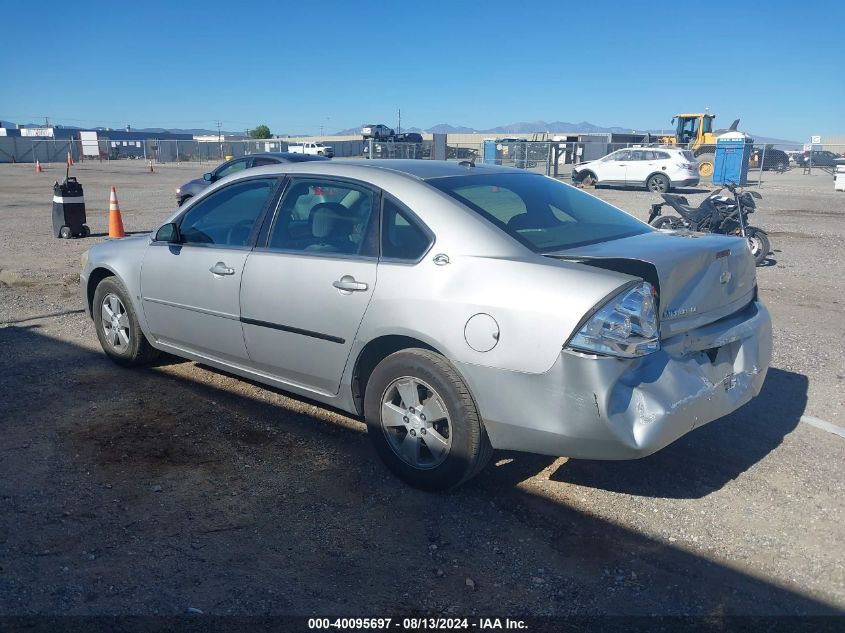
(219, 139)
(399, 126)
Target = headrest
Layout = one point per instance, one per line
(327, 218)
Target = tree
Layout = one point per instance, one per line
(262, 131)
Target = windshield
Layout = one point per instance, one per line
(542, 213)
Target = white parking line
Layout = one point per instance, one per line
(823, 425)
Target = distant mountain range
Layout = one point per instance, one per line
(527, 127)
(523, 127)
(196, 131)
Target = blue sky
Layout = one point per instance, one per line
(300, 65)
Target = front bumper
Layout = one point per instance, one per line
(593, 407)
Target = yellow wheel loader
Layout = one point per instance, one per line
(696, 132)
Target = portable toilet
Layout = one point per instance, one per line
(489, 152)
(839, 174)
(733, 153)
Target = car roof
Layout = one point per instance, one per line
(418, 169)
(288, 156)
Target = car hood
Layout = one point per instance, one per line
(700, 278)
(194, 186)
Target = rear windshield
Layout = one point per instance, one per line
(688, 155)
(542, 213)
(304, 158)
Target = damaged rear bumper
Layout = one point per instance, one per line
(595, 407)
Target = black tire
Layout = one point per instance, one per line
(666, 222)
(65, 233)
(86, 231)
(758, 244)
(593, 179)
(470, 448)
(137, 351)
(659, 183)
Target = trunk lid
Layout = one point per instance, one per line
(700, 277)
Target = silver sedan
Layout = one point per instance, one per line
(455, 307)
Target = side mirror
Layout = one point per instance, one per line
(208, 177)
(168, 233)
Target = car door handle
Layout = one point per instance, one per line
(220, 268)
(348, 283)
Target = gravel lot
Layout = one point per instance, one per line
(178, 487)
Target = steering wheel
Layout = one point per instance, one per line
(233, 231)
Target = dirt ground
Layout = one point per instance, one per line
(178, 487)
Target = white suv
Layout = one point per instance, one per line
(657, 169)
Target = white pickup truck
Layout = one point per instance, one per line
(317, 149)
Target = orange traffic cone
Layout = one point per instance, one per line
(69, 160)
(38, 168)
(115, 219)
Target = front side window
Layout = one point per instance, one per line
(541, 213)
(227, 216)
(324, 216)
(621, 155)
(231, 168)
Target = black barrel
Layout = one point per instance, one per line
(69, 210)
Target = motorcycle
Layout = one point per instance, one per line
(724, 215)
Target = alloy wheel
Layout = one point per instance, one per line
(754, 245)
(416, 423)
(115, 323)
(659, 185)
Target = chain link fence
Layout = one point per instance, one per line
(553, 158)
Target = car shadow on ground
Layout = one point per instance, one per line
(51, 315)
(106, 234)
(168, 487)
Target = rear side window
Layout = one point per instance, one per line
(401, 236)
(324, 216)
